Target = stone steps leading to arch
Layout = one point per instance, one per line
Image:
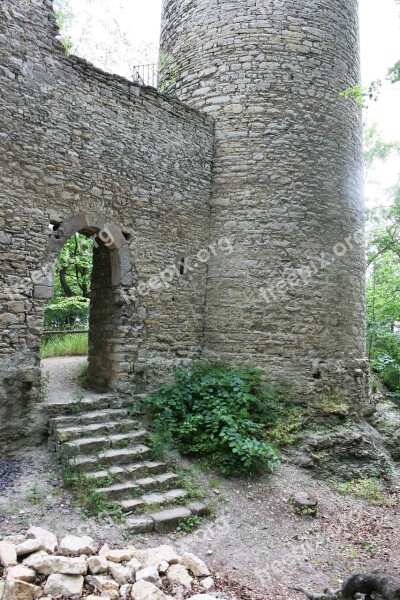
(99, 441)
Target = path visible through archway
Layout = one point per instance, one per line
(64, 384)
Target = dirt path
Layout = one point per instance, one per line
(255, 536)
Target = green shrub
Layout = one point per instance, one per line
(66, 313)
(219, 413)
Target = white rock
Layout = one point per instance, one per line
(134, 565)
(97, 564)
(101, 583)
(2, 586)
(153, 557)
(73, 545)
(29, 546)
(149, 574)
(195, 564)
(179, 574)
(119, 556)
(104, 549)
(207, 583)
(143, 590)
(64, 565)
(15, 539)
(49, 539)
(202, 597)
(125, 591)
(121, 574)
(30, 560)
(8, 554)
(21, 590)
(22, 573)
(70, 586)
(111, 595)
(163, 567)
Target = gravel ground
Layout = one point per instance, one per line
(255, 544)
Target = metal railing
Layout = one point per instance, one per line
(146, 75)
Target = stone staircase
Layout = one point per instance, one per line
(100, 440)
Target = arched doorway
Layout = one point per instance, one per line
(111, 274)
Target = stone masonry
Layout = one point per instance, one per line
(287, 184)
(227, 212)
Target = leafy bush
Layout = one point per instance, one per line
(66, 313)
(219, 413)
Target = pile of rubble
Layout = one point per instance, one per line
(37, 565)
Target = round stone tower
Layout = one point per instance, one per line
(287, 185)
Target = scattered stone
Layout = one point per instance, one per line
(30, 560)
(110, 595)
(304, 503)
(163, 567)
(121, 574)
(21, 590)
(73, 545)
(101, 583)
(149, 574)
(64, 565)
(207, 583)
(48, 539)
(97, 564)
(195, 564)
(8, 554)
(29, 546)
(119, 556)
(22, 573)
(179, 574)
(70, 586)
(134, 566)
(144, 590)
(2, 586)
(125, 591)
(15, 539)
(202, 597)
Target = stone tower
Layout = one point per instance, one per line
(287, 184)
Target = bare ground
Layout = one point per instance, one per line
(255, 538)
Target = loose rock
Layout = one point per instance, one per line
(72, 545)
(48, 539)
(179, 574)
(195, 564)
(70, 586)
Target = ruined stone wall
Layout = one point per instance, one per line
(287, 184)
(77, 141)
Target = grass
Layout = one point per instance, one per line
(64, 345)
(369, 489)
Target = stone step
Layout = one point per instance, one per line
(120, 491)
(110, 458)
(88, 445)
(132, 489)
(129, 471)
(87, 418)
(164, 520)
(147, 500)
(66, 434)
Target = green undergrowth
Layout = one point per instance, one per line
(225, 415)
(64, 345)
(370, 489)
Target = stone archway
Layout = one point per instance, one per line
(111, 274)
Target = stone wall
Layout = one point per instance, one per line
(85, 150)
(287, 185)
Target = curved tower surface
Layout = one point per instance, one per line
(287, 185)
